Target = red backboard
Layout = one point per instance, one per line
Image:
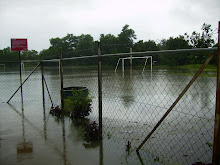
(19, 44)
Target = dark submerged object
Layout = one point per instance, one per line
(68, 91)
(56, 111)
(128, 146)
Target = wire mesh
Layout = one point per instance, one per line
(134, 101)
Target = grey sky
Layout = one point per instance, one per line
(40, 20)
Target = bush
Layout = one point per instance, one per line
(78, 105)
(92, 132)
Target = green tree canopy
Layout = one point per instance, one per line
(149, 45)
(176, 43)
(127, 36)
(203, 40)
(84, 44)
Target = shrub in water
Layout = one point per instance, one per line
(92, 132)
(56, 111)
(78, 105)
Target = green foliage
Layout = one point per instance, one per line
(141, 46)
(177, 43)
(196, 40)
(78, 105)
(209, 144)
(127, 36)
(84, 45)
(92, 132)
(203, 40)
(30, 55)
(11, 58)
(109, 135)
(69, 43)
(157, 159)
(7, 55)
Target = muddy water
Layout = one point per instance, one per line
(132, 105)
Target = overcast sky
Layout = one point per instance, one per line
(40, 20)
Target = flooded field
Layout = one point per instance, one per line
(132, 105)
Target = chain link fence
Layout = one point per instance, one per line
(135, 100)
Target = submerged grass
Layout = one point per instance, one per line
(189, 67)
(188, 70)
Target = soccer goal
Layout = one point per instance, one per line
(130, 58)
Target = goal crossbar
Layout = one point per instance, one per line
(127, 58)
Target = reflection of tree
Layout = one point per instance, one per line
(101, 153)
(91, 144)
(205, 91)
(77, 128)
(64, 142)
(78, 131)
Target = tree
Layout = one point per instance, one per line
(127, 36)
(84, 42)
(173, 44)
(30, 55)
(71, 42)
(66, 44)
(7, 55)
(108, 42)
(139, 46)
(108, 39)
(204, 40)
(149, 45)
(162, 44)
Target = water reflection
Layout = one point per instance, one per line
(77, 127)
(101, 153)
(140, 158)
(25, 148)
(64, 142)
(44, 120)
(29, 150)
(78, 131)
(127, 91)
(131, 89)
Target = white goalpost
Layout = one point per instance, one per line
(130, 58)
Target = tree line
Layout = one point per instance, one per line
(84, 44)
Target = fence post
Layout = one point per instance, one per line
(21, 79)
(100, 87)
(131, 61)
(61, 80)
(42, 77)
(216, 143)
(123, 65)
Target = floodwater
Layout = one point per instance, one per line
(132, 105)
